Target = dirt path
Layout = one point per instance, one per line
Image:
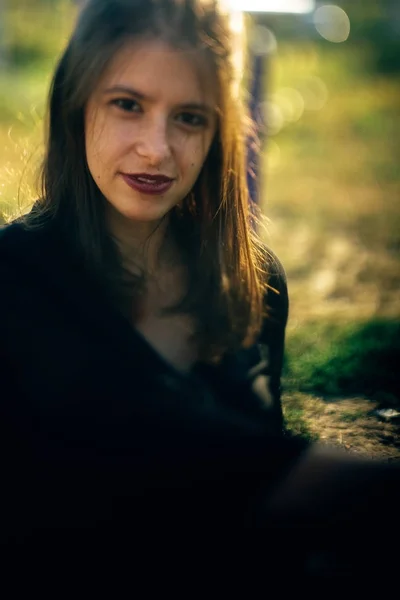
(349, 423)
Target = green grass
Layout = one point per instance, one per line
(342, 359)
(351, 417)
(295, 409)
(296, 424)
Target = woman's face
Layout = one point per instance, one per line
(152, 114)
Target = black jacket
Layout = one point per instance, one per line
(98, 432)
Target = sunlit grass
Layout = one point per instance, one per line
(34, 38)
(22, 149)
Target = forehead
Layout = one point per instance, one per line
(158, 70)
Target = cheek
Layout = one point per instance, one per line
(94, 142)
(194, 160)
(103, 141)
(98, 146)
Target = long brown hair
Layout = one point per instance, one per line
(224, 257)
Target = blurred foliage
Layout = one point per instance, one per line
(377, 24)
(375, 28)
(33, 31)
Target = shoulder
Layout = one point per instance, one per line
(25, 247)
(274, 268)
(16, 239)
(12, 242)
(8, 234)
(16, 268)
(26, 256)
(276, 296)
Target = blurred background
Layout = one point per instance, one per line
(329, 187)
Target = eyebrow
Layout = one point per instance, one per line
(131, 92)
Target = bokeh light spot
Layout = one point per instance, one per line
(263, 41)
(332, 23)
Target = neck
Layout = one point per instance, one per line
(139, 243)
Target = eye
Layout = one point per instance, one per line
(126, 104)
(192, 119)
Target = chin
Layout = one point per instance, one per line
(142, 216)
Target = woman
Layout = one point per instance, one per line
(138, 268)
(144, 184)
(140, 369)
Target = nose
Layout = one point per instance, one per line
(154, 145)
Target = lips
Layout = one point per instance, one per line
(148, 184)
(151, 178)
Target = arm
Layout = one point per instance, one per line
(327, 486)
(272, 337)
(331, 513)
(250, 379)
